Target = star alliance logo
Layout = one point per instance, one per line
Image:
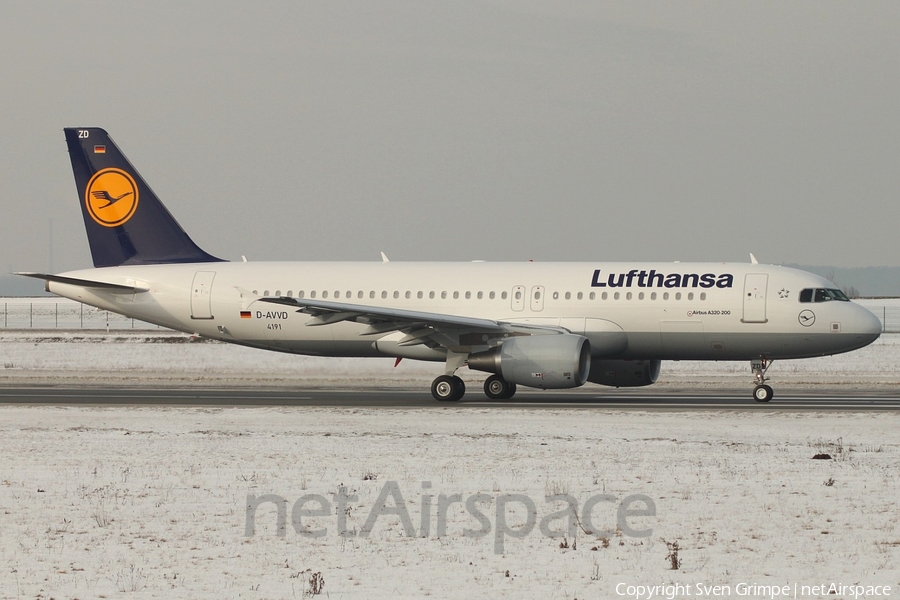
(783, 293)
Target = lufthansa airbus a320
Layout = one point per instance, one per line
(540, 325)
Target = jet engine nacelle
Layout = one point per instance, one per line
(624, 373)
(540, 361)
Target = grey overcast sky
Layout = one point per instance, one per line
(466, 130)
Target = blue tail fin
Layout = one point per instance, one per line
(125, 221)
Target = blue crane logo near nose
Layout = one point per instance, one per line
(807, 318)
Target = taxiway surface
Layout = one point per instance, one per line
(790, 400)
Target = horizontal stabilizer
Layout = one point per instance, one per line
(87, 283)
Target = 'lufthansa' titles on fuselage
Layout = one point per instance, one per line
(651, 278)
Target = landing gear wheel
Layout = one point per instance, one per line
(497, 388)
(448, 388)
(763, 393)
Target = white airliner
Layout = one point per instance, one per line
(541, 325)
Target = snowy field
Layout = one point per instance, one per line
(152, 502)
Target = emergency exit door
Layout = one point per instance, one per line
(201, 307)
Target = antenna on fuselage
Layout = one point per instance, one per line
(753, 260)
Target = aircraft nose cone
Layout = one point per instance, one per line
(867, 325)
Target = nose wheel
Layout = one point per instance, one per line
(762, 392)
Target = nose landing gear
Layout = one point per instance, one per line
(762, 392)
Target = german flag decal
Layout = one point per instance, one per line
(245, 314)
(99, 149)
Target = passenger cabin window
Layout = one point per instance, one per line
(823, 295)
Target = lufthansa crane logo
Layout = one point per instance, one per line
(111, 197)
(807, 318)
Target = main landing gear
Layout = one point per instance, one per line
(497, 388)
(762, 392)
(450, 388)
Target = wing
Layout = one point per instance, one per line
(431, 329)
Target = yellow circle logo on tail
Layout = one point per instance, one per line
(111, 197)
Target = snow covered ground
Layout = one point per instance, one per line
(151, 502)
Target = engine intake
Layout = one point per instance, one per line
(540, 361)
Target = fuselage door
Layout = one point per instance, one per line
(537, 298)
(518, 297)
(200, 295)
(755, 297)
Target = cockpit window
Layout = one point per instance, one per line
(823, 295)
